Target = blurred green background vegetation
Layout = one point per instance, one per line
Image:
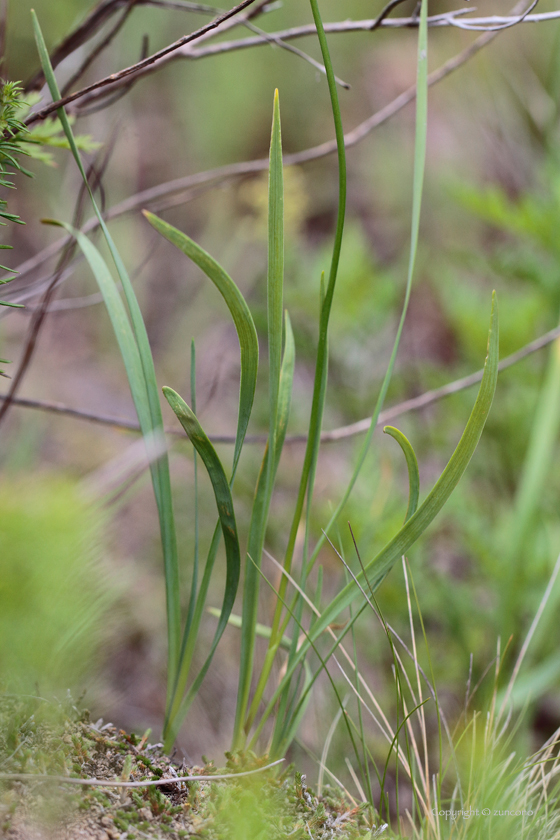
(491, 216)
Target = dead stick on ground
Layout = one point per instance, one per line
(172, 780)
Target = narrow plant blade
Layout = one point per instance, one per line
(532, 485)
(194, 579)
(240, 314)
(305, 489)
(418, 185)
(445, 485)
(228, 524)
(275, 279)
(160, 475)
(263, 494)
(327, 296)
(255, 545)
(261, 629)
(120, 322)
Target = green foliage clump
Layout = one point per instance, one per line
(52, 589)
(12, 130)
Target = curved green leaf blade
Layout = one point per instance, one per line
(443, 488)
(119, 320)
(140, 388)
(228, 524)
(240, 313)
(220, 486)
(412, 466)
(160, 474)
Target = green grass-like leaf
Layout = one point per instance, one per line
(248, 342)
(263, 494)
(255, 545)
(240, 314)
(224, 502)
(320, 381)
(148, 395)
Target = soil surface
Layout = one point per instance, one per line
(41, 739)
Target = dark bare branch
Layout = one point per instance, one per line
(99, 48)
(91, 25)
(134, 69)
(94, 177)
(192, 184)
(96, 20)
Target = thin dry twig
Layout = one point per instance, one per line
(455, 18)
(221, 174)
(99, 48)
(272, 39)
(94, 177)
(183, 49)
(134, 69)
(172, 780)
(343, 432)
(96, 19)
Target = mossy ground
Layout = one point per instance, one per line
(38, 737)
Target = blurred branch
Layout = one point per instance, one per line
(343, 432)
(3, 29)
(99, 48)
(95, 21)
(200, 180)
(94, 178)
(272, 39)
(491, 23)
(183, 47)
(135, 69)
(384, 13)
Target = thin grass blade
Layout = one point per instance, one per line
(119, 320)
(418, 184)
(255, 546)
(263, 494)
(319, 388)
(194, 578)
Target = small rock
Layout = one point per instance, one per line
(145, 814)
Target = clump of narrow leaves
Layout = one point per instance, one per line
(264, 706)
